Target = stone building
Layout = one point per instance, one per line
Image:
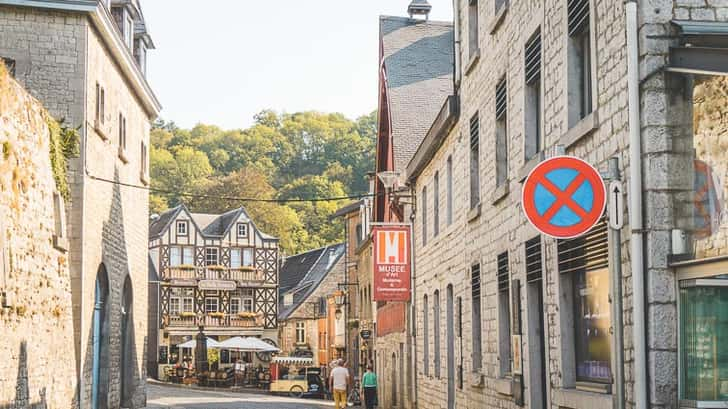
(307, 279)
(85, 61)
(36, 311)
(506, 317)
(218, 272)
(415, 78)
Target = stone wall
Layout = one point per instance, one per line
(38, 346)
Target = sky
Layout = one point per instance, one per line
(220, 62)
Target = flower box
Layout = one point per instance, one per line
(247, 314)
(185, 267)
(187, 314)
(215, 267)
(216, 314)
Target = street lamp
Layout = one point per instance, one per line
(389, 178)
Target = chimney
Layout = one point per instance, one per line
(419, 7)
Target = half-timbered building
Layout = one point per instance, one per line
(219, 272)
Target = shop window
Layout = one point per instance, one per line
(579, 61)
(163, 354)
(477, 335)
(583, 267)
(533, 96)
(474, 161)
(501, 132)
(703, 336)
(504, 315)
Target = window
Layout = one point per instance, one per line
(426, 335)
(187, 304)
(583, 268)
(174, 306)
(501, 133)
(236, 258)
(175, 256)
(477, 335)
(424, 216)
(459, 334)
(449, 191)
(211, 256)
(436, 329)
(436, 206)
(248, 304)
(504, 315)
(473, 47)
(474, 161)
(235, 305)
(248, 257)
(122, 132)
(129, 31)
(533, 96)
(300, 333)
(144, 166)
(242, 230)
(182, 228)
(579, 61)
(211, 304)
(187, 256)
(100, 104)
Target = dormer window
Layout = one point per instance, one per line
(129, 31)
(125, 23)
(242, 230)
(182, 228)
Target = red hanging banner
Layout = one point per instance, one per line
(392, 262)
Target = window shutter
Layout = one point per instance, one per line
(585, 253)
(533, 260)
(501, 99)
(578, 16)
(475, 280)
(533, 59)
(503, 272)
(474, 132)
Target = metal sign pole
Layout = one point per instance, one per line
(615, 244)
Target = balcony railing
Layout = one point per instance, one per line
(239, 274)
(214, 321)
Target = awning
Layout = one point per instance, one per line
(211, 343)
(703, 48)
(249, 344)
(292, 360)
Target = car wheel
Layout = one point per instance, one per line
(296, 392)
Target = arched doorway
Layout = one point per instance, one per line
(127, 364)
(100, 342)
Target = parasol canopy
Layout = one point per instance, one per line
(211, 343)
(247, 344)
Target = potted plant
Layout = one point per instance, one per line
(187, 314)
(216, 267)
(247, 314)
(186, 267)
(217, 314)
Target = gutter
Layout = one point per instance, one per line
(635, 208)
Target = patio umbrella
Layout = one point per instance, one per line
(247, 344)
(211, 343)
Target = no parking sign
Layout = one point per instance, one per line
(563, 197)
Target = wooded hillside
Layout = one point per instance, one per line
(281, 156)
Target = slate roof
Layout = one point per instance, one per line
(309, 282)
(211, 225)
(294, 268)
(159, 225)
(418, 61)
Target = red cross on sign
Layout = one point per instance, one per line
(563, 197)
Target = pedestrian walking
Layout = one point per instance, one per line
(339, 383)
(369, 388)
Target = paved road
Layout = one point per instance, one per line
(182, 398)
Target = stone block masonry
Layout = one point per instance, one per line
(37, 329)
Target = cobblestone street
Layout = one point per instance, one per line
(183, 398)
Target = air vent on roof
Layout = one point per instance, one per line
(578, 16)
(533, 59)
(419, 7)
(503, 271)
(501, 99)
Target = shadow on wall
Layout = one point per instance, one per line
(22, 387)
(111, 362)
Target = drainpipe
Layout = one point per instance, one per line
(413, 300)
(635, 209)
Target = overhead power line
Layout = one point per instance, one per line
(234, 198)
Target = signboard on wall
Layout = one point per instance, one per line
(392, 262)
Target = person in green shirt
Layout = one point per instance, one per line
(369, 388)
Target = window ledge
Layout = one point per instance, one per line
(580, 130)
(498, 18)
(503, 386)
(472, 62)
(98, 127)
(500, 192)
(573, 398)
(474, 213)
(477, 380)
(529, 165)
(60, 243)
(122, 155)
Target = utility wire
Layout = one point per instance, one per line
(240, 199)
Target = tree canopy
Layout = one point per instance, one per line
(281, 156)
